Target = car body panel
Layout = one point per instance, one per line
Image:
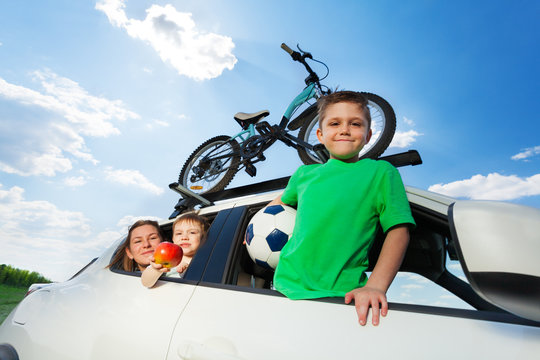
(245, 325)
(215, 313)
(477, 223)
(126, 314)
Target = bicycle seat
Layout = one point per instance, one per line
(251, 117)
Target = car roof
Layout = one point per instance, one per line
(427, 199)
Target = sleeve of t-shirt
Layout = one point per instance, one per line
(394, 205)
(290, 194)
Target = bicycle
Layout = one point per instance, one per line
(213, 164)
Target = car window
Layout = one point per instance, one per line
(454, 267)
(410, 288)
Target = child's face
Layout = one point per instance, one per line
(187, 235)
(344, 131)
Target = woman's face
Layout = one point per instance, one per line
(144, 240)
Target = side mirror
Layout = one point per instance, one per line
(498, 245)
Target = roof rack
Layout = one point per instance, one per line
(190, 199)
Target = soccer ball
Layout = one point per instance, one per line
(267, 233)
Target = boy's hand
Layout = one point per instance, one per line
(182, 267)
(365, 297)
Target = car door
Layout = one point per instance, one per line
(104, 313)
(224, 321)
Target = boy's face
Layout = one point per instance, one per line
(187, 235)
(344, 131)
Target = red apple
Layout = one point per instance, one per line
(168, 254)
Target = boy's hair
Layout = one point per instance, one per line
(194, 218)
(353, 97)
(120, 258)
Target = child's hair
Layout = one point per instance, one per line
(343, 96)
(120, 258)
(194, 218)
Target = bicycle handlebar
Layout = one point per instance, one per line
(286, 48)
(301, 58)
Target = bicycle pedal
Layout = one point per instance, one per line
(261, 157)
(264, 128)
(251, 170)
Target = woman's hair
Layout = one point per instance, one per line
(194, 218)
(120, 259)
(353, 97)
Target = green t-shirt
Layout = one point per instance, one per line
(339, 208)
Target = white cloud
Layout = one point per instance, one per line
(157, 123)
(447, 296)
(440, 303)
(494, 186)
(37, 235)
(132, 178)
(45, 143)
(408, 121)
(176, 38)
(527, 153)
(412, 286)
(403, 139)
(75, 181)
(124, 223)
(412, 277)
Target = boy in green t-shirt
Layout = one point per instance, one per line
(340, 205)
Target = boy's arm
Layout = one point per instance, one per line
(276, 201)
(374, 292)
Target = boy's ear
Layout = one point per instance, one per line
(319, 135)
(368, 137)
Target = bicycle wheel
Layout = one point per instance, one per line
(383, 127)
(211, 166)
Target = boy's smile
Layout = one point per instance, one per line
(344, 131)
(187, 235)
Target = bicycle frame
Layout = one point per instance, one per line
(308, 93)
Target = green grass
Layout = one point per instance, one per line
(10, 296)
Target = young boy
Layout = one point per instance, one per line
(189, 232)
(340, 205)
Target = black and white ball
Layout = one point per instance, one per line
(267, 233)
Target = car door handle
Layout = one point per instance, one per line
(215, 348)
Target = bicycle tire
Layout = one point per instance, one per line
(216, 174)
(383, 125)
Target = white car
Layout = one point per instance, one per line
(224, 308)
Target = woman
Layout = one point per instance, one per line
(135, 253)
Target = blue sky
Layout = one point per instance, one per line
(102, 101)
